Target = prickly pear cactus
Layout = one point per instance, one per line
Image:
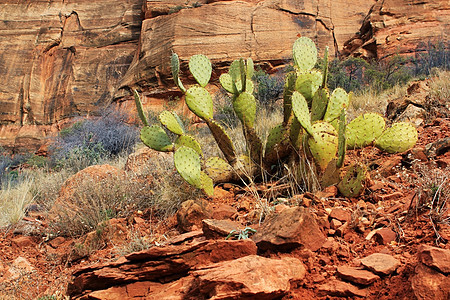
(199, 101)
(339, 100)
(319, 104)
(308, 83)
(140, 109)
(172, 122)
(218, 169)
(245, 107)
(188, 141)
(353, 182)
(305, 54)
(301, 111)
(175, 66)
(323, 143)
(187, 163)
(156, 138)
(363, 130)
(398, 138)
(313, 136)
(200, 67)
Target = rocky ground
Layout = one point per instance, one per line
(390, 243)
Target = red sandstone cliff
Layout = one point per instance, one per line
(59, 59)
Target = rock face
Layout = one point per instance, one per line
(229, 30)
(399, 27)
(59, 59)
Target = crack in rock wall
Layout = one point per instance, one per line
(60, 59)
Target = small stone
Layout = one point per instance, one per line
(357, 276)
(218, 228)
(294, 227)
(381, 264)
(341, 214)
(340, 289)
(22, 241)
(434, 257)
(335, 224)
(430, 284)
(139, 221)
(191, 214)
(384, 236)
(280, 207)
(56, 242)
(317, 278)
(220, 193)
(18, 268)
(342, 229)
(364, 221)
(392, 196)
(223, 211)
(361, 204)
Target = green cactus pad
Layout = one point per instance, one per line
(276, 136)
(223, 140)
(218, 169)
(140, 109)
(277, 145)
(201, 69)
(308, 83)
(325, 69)
(398, 138)
(305, 54)
(227, 82)
(296, 133)
(353, 182)
(323, 143)
(301, 111)
(250, 68)
(319, 104)
(175, 66)
(187, 163)
(363, 130)
(339, 99)
(156, 138)
(342, 145)
(207, 184)
(188, 141)
(235, 70)
(289, 88)
(199, 101)
(172, 122)
(245, 107)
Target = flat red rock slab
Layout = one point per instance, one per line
(381, 264)
(357, 276)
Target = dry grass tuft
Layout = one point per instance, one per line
(14, 200)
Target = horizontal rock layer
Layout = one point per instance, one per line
(61, 59)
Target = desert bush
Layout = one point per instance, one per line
(357, 75)
(10, 166)
(89, 141)
(269, 88)
(431, 56)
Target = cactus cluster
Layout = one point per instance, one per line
(314, 122)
